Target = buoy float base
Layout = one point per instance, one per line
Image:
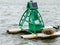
(40, 35)
(13, 31)
(34, 36)
(16, 31)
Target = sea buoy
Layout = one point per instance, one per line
(35, 24)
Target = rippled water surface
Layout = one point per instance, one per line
(11, 12)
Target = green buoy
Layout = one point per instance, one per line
(32, 17)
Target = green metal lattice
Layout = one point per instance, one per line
(34, 20)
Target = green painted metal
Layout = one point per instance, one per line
(32, 17)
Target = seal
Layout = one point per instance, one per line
(48, 30)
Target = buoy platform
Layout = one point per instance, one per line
(40, 35)
(33, 36)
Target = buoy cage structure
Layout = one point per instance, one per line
(32, 17)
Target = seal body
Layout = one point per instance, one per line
(49, 30)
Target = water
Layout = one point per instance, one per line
(11, 12)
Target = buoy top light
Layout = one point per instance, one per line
(32, 5)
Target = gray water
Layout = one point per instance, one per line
(11, 12)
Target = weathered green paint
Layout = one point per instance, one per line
(35, 20)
